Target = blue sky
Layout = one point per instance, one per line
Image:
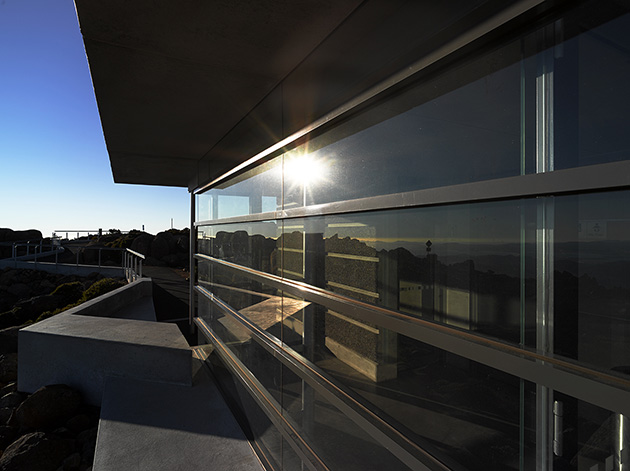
(54, 167)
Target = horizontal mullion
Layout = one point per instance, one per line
(267, 403)
(607, 176)
(396, 442)
(596, 387)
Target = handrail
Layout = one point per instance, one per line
(132, 264)
(137, 254)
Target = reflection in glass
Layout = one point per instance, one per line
(550, 273)
(478, 121)
(253, 192)
(469, 266)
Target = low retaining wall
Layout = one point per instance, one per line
(81, 347)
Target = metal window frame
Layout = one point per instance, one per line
(599, 177)
(587, 384)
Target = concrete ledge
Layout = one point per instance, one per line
(81, 347)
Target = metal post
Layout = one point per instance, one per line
(191, 264)
(99, 258)
(77, 257)
(544, 251)
(140, 268)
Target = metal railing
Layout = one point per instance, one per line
(132, 264)
(33, 250)
(131, 261)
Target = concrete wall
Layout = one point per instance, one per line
(82, 347)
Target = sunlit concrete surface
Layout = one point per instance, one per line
(81, 347)
(156, 426)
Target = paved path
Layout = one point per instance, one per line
(170, 297)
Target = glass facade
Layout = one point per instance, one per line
(362, 326)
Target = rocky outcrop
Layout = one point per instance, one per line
(36, 451)
(142, 244)
(40, 292)
(9, 235)
(161, 245)
(8, 367)
(20, 284)
(49, 430)
(50, 406)
(168, 248)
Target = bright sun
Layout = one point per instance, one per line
(304, 170)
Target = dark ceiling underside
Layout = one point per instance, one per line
(172, 78)
(189, 89)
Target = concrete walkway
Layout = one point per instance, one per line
(170, 292)
(157, 426)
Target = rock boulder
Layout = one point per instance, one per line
(48, 407)
(9, 339)
(11, 400)
(160, 247)
(142, 244)
(8, 367)
(36, 452)
(7, 435)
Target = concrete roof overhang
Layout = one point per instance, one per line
(189, 89)
(172, 79)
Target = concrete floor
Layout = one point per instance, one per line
(157, 426)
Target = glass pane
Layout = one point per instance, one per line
(252, 245)
(478, 120)
(290, 459)
(338, 441)
(237, 337)
(255, 191)
(470, 266)
(456, 409)
(327, 428)
(592, 438)
(592, 100)
(467, 266)
(592, 279)
(461, 126)
(204, 206)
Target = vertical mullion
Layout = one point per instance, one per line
(544, 245)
